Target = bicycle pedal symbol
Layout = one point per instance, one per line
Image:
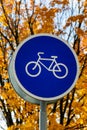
(33, 68)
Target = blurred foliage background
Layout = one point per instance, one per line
(66, 19)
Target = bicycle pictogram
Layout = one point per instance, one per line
(59, 70)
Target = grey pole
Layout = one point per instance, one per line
(43, 116)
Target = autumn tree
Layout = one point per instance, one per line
(13, 29)
(18, 20)
(72, 115)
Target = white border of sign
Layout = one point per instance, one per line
(18, 86)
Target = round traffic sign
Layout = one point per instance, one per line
(43, 67)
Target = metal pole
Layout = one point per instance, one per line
(43, 116)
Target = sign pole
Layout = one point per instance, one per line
(43, 116)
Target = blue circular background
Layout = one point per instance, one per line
(46, 85)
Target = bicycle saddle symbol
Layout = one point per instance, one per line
(33, 68)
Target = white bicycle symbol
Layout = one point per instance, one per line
(54, 67)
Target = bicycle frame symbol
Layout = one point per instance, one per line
(57, 68)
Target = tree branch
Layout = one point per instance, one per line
(70, 106)
(83, 66)
(7, 113)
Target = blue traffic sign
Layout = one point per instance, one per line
(44, 67)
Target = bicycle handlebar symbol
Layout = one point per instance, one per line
(59, 70)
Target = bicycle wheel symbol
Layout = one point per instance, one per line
(33, 69)
(60, 71)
